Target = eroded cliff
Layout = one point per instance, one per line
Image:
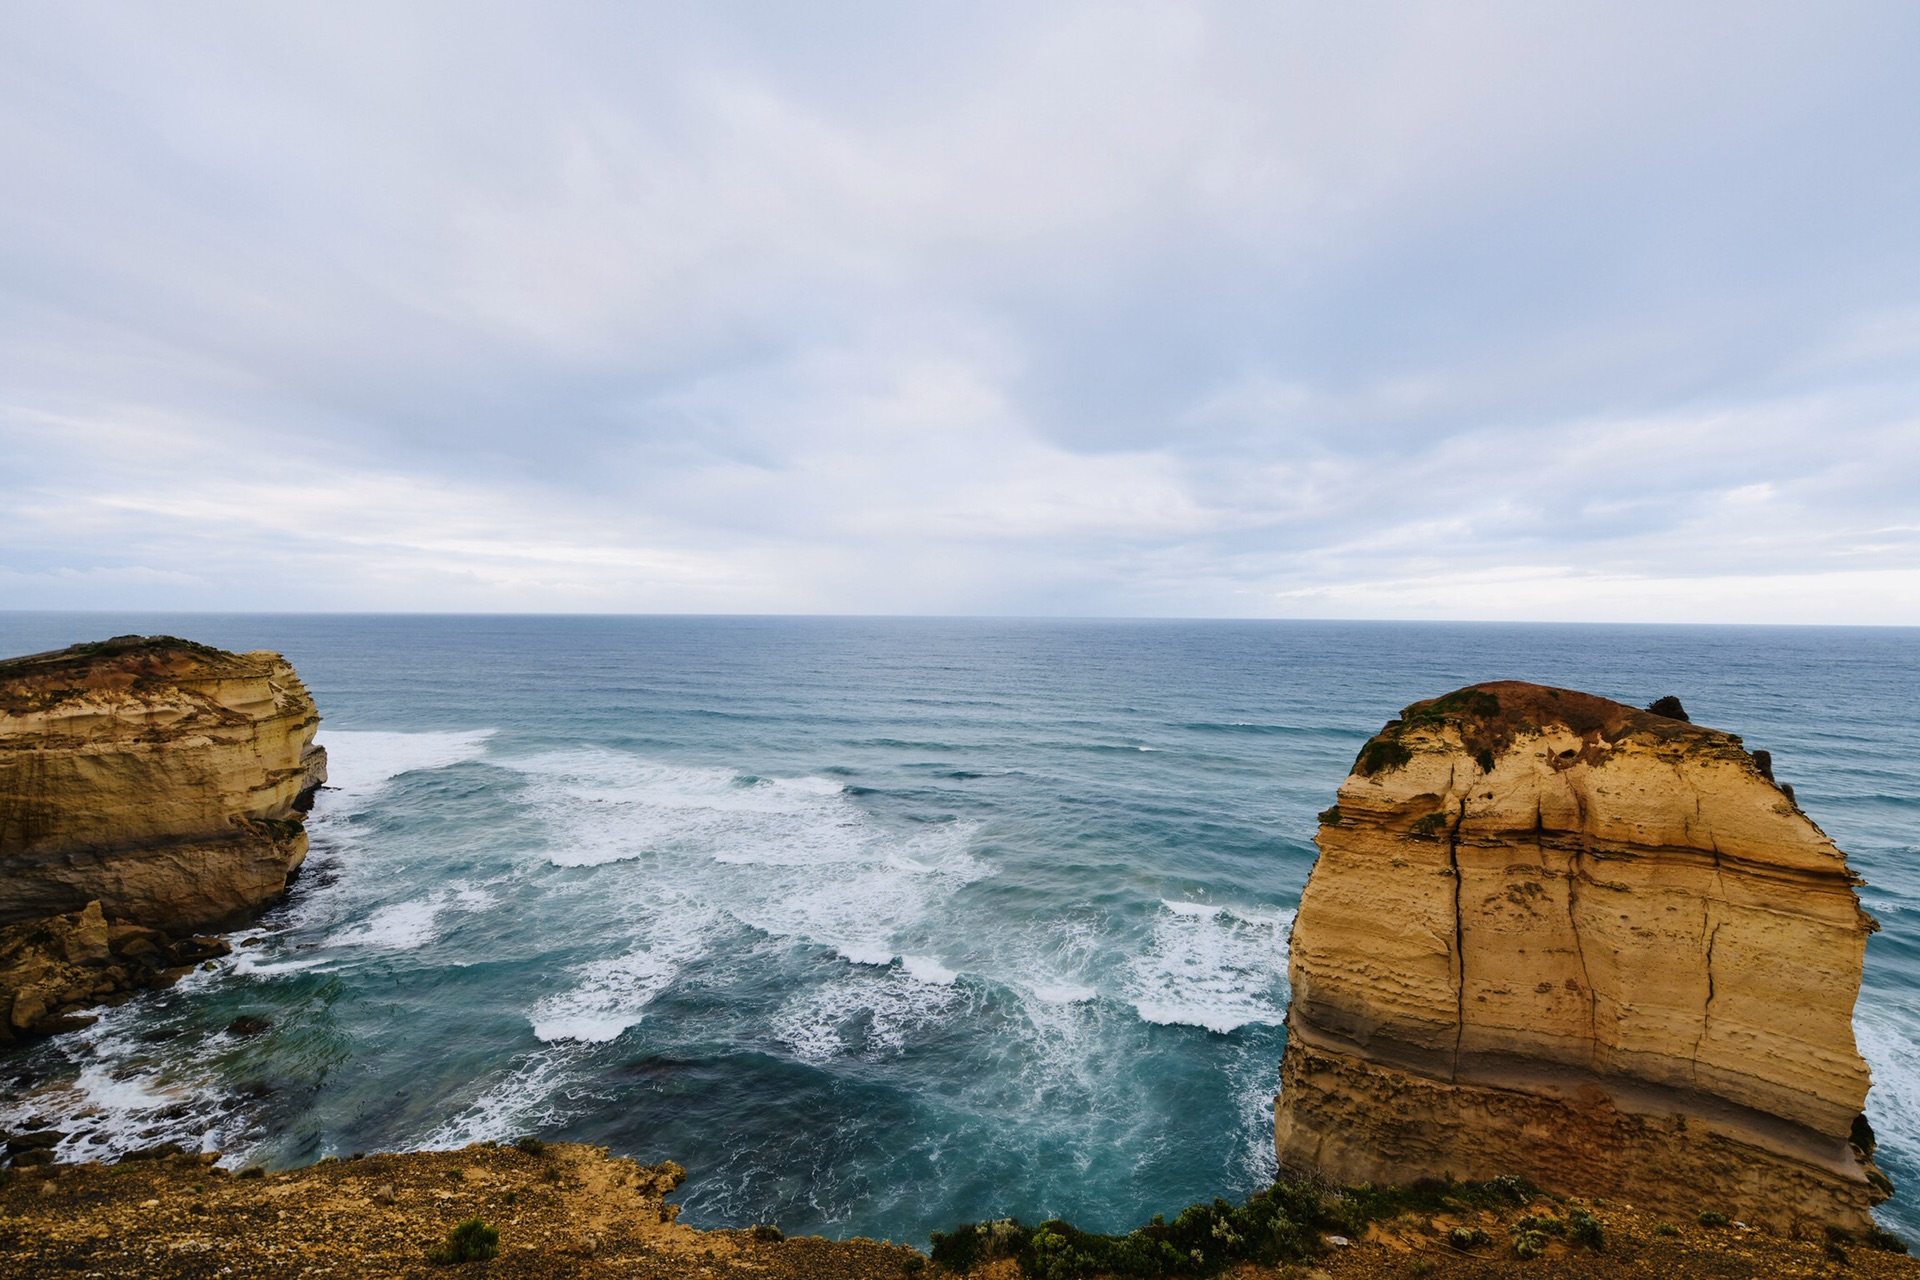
(164, 779)
(1554, 935)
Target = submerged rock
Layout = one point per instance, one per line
(1554, 935)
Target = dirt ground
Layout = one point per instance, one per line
(571, 1211)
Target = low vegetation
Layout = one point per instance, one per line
(471, 1241)
(1292, 1221)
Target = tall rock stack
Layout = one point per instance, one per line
(1553, 935)
(149, 787)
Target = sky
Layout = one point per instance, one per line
(1574, 311)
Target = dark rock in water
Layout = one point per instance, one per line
(194, 950)
(37, 1141)
(159, 1152)
(1862, 1137)
(1669, 707)
(1763, 761)
(29, 1158)
(65, 1022)
(247, 1025)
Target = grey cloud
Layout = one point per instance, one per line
(1194, 308)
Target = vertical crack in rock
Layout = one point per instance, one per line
(1459, 936)
(1575, 869)
(1378, 1087)
(1706, 1010)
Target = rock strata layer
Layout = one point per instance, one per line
(149, 788)
(1554, 935)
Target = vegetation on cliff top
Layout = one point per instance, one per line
(1300, 1220)
(1291, 1221)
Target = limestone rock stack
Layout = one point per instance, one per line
(149, 787)
(1554, 935)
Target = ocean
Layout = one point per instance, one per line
(875, 925)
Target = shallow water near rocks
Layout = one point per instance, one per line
(874, 925)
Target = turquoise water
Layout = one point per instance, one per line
(875, 925)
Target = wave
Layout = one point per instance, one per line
(1889, 1039)
(793, 858)
(528, 1096)
(868, 1015)
(360, 762)
(1211, 966)
(614, 993)
(140, 1076)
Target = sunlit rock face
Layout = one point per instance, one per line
(1553, 935)
(165, 780)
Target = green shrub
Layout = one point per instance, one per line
(1529, 1244)
(531, 1145)
(1666, 1229)
(1709, 1218)
(1467, 1238)
(766, 1233)
(1284, 1224)
(471, 1241)
(1381, 755)
(1584, 1228)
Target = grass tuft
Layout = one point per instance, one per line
(471, 1241)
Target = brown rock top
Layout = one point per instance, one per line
(164, 779)
(560, 1210)
(1553, 935)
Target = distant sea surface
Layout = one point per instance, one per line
(876, 926)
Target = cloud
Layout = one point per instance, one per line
(1394, 310)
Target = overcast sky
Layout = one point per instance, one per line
(1541, 311)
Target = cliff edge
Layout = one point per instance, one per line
(149, 787)
(1553, 935)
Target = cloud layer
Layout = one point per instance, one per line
(1581, 312)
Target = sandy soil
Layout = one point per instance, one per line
(571, 1211)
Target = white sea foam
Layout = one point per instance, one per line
(793, 858)
(527, 1097)
(1212, 967)
(927, 969)
(362, 761)
(124, 1095)
(1889, 1039)
(871, 1015)
(402, 926)
(614, 994)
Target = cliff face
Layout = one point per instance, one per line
(166, 780)
(1553, 935)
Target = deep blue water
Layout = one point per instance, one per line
(876, 925)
